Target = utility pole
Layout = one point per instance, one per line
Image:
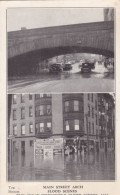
(87, 132)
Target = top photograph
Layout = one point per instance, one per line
(60, 50)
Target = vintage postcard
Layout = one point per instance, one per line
(59, 82)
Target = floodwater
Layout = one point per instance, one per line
(67, 81)
(79, 167)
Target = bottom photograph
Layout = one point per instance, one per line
(61, 137)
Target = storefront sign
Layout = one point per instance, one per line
(48, 147)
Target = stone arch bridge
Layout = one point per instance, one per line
(28, 47)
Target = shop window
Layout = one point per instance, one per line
(31, 128)
(67, 126)
(67, 106)
(14, 99)
(14, 114)
(76, 125)
(15, 130)
(76, 105)
(22, 129)
(49, 126)
(48, 109)
(22, 98)
(15, 151)
(22, 113)
(30, 111)
(41, 127)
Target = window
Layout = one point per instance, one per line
(37, 111)
(88, 110)
(14, 114)
(22, 113)
(88, 96)
(22, 98)
(48, 109)
(96, 119)
(41, 95)
(30, 111)
(93, 128)
(49, 125)
(106, 106)
(14, 147)
(41, 127)
(37, 96)
(30, 96)
(14, 99)
(76, 105)
(89, 128)
(92, 97)
(96, 104)
(67, 106)
(48, 95)
(31, 128)
(76, 125)
(41, 110)
(15, 130)
(96, 133)
(67, 126)
(22, 129)
(31, 143)
(37, 127)
(92, 112)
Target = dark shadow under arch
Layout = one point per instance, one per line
(26, 62)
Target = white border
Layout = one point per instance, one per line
(98, 188)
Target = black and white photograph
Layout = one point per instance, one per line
(59, 111)
(60, 50)
(61, 137)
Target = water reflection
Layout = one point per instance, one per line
(95, 166)
(99, 72)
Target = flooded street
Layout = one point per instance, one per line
(71, 81)
(90, 167)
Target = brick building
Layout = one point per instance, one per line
(85, 119)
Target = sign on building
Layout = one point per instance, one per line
(48, 147)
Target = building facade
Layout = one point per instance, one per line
(109, 14)
(80, 119)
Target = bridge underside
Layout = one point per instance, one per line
(25, 63)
